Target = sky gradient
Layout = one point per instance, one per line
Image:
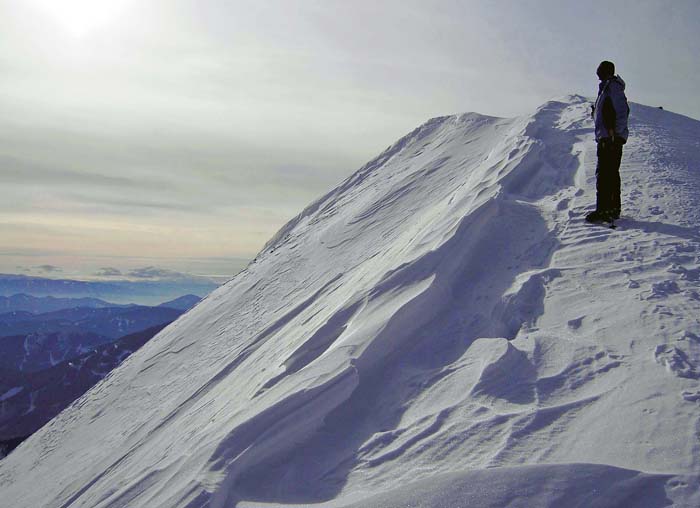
(183, 134)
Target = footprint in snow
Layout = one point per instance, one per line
(627, 256)
(663, 289)
(692, 275)
(691, 396)
(689, 336)
(676, 361)
(563, 204)
(575, 324)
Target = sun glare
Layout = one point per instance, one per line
(82, 17)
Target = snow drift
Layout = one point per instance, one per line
(442, 329)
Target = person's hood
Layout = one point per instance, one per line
(619, 79)
(615, 79)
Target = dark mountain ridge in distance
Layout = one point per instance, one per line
(48, 359)
(185, 302)
(28, 400)
(39, 305)
(110, 322)
(38, 351)
(147, 292)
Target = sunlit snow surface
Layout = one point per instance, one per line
(441, 330)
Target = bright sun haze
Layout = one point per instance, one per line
(80, 17)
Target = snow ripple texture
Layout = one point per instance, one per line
(442, 329)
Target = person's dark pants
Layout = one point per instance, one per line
(608, 176)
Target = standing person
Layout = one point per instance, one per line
(610, 114)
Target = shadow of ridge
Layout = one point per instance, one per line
(473, 270)
(688, 233)
(472, 283)
(542, 485)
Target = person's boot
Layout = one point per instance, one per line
(597, 216)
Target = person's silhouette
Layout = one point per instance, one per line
(610, 114)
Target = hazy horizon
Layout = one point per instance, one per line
(182, 134)
(106, 268)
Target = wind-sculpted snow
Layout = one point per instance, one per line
(442, 329)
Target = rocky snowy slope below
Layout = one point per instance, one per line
(442, 329)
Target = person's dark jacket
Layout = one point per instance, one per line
(611, 110)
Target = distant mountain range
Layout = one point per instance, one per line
(111, 322)
(30, 399)
(148, 292)
(39, 305)
(183, 303)
(52, 350)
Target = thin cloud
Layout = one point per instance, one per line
(22, 171)
(153, 272)
(134, 205)
(48, 268)
(108, 271)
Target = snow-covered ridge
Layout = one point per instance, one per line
(443, 317)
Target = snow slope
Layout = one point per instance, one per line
(442, 329)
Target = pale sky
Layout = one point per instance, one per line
(183, 133)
